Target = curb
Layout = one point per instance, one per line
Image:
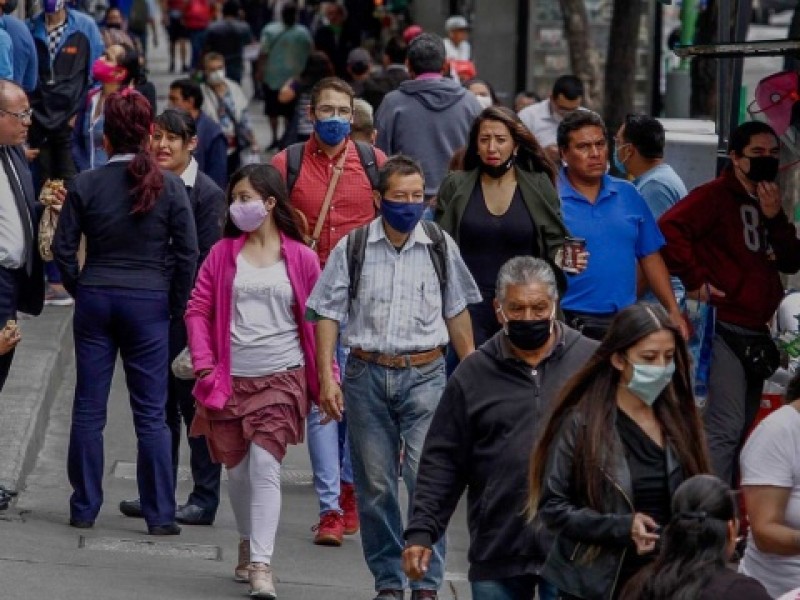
(33, 383)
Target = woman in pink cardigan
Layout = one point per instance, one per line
(254, 357)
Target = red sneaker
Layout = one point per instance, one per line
(330, 529)
(347, 502)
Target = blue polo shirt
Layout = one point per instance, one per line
(24, 52)
(619, 230)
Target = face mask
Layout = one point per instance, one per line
(497, 171)
(402, 216)
(333, 130)
(10, 6)
(484, 101)
(618, 161)
(528, 335)
(113, 25)
(648, 381)
(53, 6)
(107, 73)
(763, 168)
(215, 77)
(248, 216)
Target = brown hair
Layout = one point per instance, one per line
(590, 397)
(530, 155)
(331, 83)
(128, 123)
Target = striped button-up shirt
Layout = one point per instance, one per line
(398, 308)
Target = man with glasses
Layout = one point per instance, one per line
(543, 118)
(639, 154)
(21, 271)
(729, 240)
(618, 227)
(352, 204)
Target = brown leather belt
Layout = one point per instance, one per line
(399, 361)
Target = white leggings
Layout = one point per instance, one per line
(254, 486)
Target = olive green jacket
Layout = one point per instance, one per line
(538, 194)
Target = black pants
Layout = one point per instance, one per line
(593, 326)
(180, 403)
(55, 156)
(9, 294)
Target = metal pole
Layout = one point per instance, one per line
(688, 26)
(742, 24)
(723, 73)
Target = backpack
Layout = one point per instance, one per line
(357, 247)
(294, 162)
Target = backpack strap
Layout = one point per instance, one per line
(356, 249)
(438, 253)
(366, 154)
(294, 162)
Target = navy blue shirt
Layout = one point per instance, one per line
(212, 150)
(127, 250)
(619, 230)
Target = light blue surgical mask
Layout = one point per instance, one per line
(623, 170)
(648, 381)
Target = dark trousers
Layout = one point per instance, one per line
(180, 403)
(134, 323)
(593, 326)
(9, 293)
(55, 156)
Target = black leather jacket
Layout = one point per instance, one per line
(590, 546)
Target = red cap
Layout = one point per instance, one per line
(410, 32)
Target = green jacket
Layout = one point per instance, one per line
(538, 193)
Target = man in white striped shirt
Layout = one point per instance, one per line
(397, 325)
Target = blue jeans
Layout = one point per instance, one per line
(513, 588)
(384, 408)
(329, 452)
(135, 324)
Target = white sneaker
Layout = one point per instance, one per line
(261, 585)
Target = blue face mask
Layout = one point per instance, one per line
(402, 216)
(648, 381)
(618, 163)
(53, 6)
(333, 130)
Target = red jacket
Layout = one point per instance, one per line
(718, 235)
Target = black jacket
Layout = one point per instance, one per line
(209, 209)
(122, 249)
(481, 438)
(570, 564)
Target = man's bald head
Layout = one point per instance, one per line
(15, 117)
(10, 91)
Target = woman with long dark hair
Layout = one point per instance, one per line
(696, 544)
(503, 204)
(621, 438)
(254, 356)
(136, 220)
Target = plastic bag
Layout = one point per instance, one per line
(700, 316)
(182, 366)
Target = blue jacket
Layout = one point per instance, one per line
(212, 150)
(24, 55)
(63, 81)
(6, 50)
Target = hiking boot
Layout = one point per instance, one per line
(347, 502)
(261, 585)
(242, 571)
(330, 529)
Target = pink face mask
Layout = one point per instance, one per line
(107, 73)
(248, 216)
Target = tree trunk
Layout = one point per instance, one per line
(703, 103)
(620, 76)
(582, 59)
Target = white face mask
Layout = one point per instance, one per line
(484, 101)
(217, 76)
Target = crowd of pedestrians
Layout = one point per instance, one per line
(422, 284)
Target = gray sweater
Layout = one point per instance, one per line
(428, 120)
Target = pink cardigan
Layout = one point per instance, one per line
(208, 316)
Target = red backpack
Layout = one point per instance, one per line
(196, 14)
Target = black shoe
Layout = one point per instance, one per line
(4, 491)
(4, 502)
(168, 529)
(424, 594)
(131, 508)
(191, 514)
(79, 524)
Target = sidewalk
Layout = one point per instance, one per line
(43, 556)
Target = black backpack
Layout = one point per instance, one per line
(357, 247)
(294, 162)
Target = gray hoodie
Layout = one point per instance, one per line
(428, 120)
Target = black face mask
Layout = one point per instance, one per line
(497, 171)
(763, 168)
(114, 25)
(528, 335)
(10, 6)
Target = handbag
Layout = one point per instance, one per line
(338, 168)
(701, 319)
(182, 366)
(757, 352)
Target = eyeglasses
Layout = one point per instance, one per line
(326, 111)
(25, 115)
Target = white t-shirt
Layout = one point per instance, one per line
(461, 52)
(772, 457)
(264, 335)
